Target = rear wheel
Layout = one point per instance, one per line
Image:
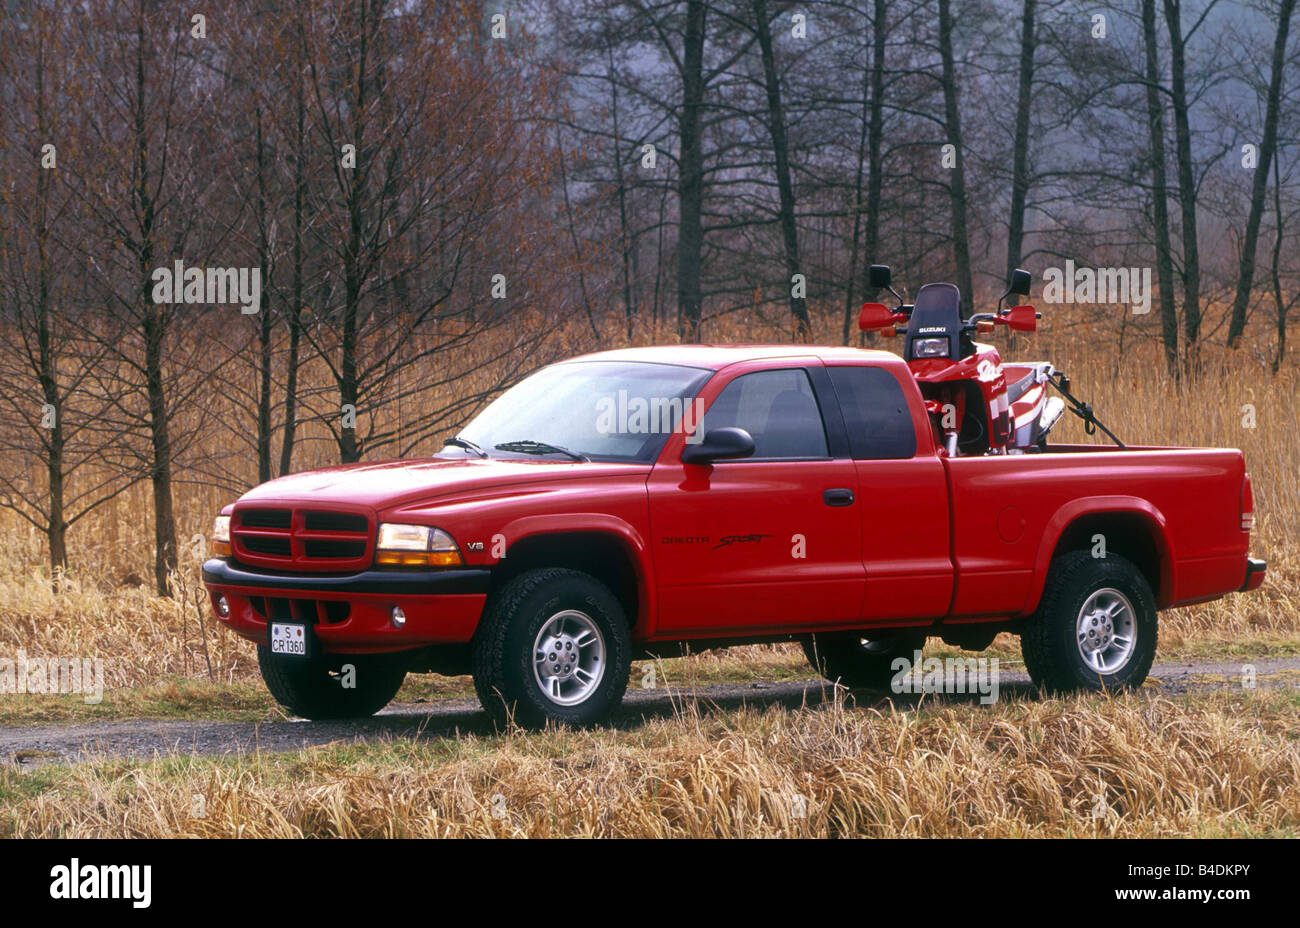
(332, 686)
(553, 646)
(858, 661)
(1095, 627)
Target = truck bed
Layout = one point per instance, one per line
(1009, 513)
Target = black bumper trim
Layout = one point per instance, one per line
(397, 582)
(1254, 565)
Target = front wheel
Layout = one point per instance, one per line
(553, 646)
(856, 660)
(1095, 627)
(332, 686)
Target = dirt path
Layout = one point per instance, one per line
(30, 745)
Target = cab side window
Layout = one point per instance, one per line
(875, 413)
(778, 408)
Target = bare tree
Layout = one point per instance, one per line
(781, 157)
(952, 128)
(144, 185)
(1259, 187)
(437, 162)
(1020, 145)
(48, 366)
(1159, 187)
(1187, 186)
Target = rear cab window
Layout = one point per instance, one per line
(875, 411)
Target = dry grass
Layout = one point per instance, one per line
(1223, 764)
(1141, 766)
(108, 611)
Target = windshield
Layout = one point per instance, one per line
(600, 410)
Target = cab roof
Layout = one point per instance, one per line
(716, 357)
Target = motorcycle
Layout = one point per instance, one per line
(978, 404)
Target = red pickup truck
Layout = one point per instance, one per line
(643, 501)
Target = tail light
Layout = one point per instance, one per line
(1247, 505)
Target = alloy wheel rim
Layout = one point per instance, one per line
(1106, 631)
(569, 657)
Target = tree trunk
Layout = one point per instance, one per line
(625, 238)
(153, 329)
(349, 449)
(349, 387)
(1282, 307)
(1259, 189)
(957, 189)
(160, 441)
(1159, 186)
(1020, 155)
(784, 183)
(264, 330)
(47, 368)
(1186, 184)
(56, 525)
(875, 147)
(855, 248)
(690, 181)
(295, 304)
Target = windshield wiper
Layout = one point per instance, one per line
(465, 443)
(528, 446)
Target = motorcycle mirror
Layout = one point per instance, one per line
(1019, 282)
(1022, 318)
(879, 276)
(875, 316)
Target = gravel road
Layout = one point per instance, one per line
(28, 745)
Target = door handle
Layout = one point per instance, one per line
(838, 496)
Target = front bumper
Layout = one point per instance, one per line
(1255, 571)
(350, 614)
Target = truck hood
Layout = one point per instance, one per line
(387, 484)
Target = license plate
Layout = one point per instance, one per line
(289, 638)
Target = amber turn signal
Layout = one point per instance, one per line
(418, 558)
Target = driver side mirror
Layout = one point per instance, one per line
(719, 445)
(1021, 318)
(878, 276)
(1019, 282)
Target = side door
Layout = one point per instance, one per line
(902, 495)
(771, 542)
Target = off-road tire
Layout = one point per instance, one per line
(842, 657)
(314, 688)
(1050, 640)
(504, 675)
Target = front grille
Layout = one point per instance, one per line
(331, 548)
(266, 518)
(310, 540)
(335, 522)
(273, 547)
(310, 611)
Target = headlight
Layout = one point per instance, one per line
(221, 536)
(415, 546)
(930, 348)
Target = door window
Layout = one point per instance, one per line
(778, 408)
